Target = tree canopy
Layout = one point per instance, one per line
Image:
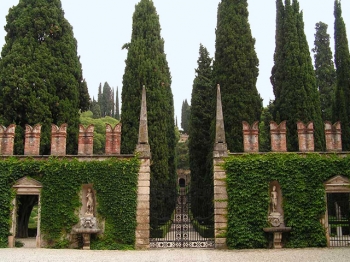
(293, 77)
(41, 78)
(236, 70)
(146, 64)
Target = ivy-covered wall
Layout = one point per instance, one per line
(115, 183)
(301, 177)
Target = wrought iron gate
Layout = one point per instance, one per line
(338, 206)
(182, 230)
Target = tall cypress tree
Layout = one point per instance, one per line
(200, 143)
(293, 77)
(41, 77)
(185, 115)
(342, 62)
(324, 69)
(146, 64)
(236, 70)
(117, 114)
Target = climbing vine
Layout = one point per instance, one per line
(301, 178)
(115, 184)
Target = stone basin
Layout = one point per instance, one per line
(86, 230)
(277, 229)
(277, 234)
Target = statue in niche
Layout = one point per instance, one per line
(89, 202)
(273, 198)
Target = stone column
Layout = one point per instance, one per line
(333, 136)
(251, 137)
(58, 140)
(86, 140)
(220, 191)
(144, 181)
(113, 138)
(7, 137)
(32, 140)
(278, 136)
(306, 137)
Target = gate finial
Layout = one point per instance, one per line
(220, 147)
(143, 145)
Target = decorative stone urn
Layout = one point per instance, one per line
(275, 217)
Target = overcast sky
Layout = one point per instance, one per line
(102, 27)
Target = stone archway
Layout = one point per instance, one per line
(26, 188)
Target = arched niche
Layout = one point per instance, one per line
(25, 186)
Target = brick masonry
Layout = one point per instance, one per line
(251, 137)
(7, 137)
(32, 140)
(113, 139)
(86, 140)
(58, 140)
(333, 136)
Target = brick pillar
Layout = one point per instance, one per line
(58, 140)
(32, 140)
(86, 140)
(306, 137)
(7, 137)
(278, 136)
(113, 138)
(333, 136)
(251, 136)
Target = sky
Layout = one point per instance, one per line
(102, 27)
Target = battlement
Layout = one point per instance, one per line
(278, 134)
(59, 140)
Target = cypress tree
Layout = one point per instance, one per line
(185, 116)
(342, 63)
(117, 114)
(293, 77)
(200, 143)
(146, 64)
(236, 70)
(41, 77)
(324, 69)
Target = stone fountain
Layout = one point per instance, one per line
(275, 217)
(88, 222)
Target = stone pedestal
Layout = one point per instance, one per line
(86, 241)
(277, 234)
(88, 226)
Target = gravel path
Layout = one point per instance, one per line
(176, 255)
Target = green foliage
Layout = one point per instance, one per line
(301, 178)
(293, 76)
(185, 116)
(146, 64)
(106, 100)
(341, 108)
(182, 155)
(200, 137)
(115, 183)
(87, 118)
(325, 71)
(41, 77)
(236, 70)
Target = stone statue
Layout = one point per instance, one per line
(274, 199)
(89, 203)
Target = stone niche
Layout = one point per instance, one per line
(88, 221)
(276, 215)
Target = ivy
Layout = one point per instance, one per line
(301, 178)
(115, 183)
